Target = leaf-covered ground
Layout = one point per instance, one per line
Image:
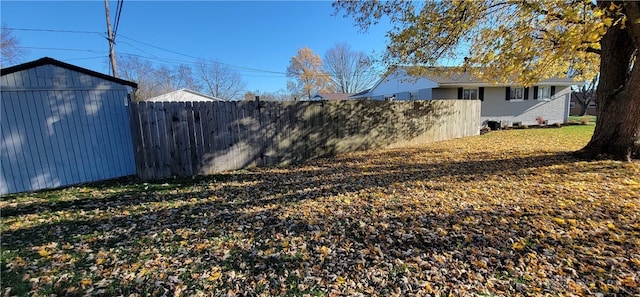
(507, 213)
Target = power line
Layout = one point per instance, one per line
(117, 18)
(85, 58)
(111, 39)
(60, 49)
(175, 61)
(193, 57)
(155, 47)
(55, 31)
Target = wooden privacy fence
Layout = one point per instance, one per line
(195, 138)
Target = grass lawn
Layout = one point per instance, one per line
(506, 213)
(591, 119)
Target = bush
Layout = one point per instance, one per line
(584, 121)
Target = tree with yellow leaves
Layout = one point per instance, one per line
(524, 42)
(306, 69)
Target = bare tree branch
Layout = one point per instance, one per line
(10, 49)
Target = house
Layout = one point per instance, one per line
(507, 103)
(61, 124)
(575, 109)
(331, 96)
(183, 95)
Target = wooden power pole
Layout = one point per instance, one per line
(111, 39)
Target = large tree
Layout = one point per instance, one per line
(527, 41)
(349, 71)
(586, 94)
(154, 80)
(306, 69)
(220, 81)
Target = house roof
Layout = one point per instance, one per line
(184, 95)
(448, 76)
(332, 96)
(360, 94)
(50, 61)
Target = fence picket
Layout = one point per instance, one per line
(186, 139)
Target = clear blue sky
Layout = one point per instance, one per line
(260, 35)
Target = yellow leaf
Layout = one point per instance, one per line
(559, 221)
(340, 280)
(611, 226)
(215, 276)
(324, 250)
(86, 282)
(519, 245)
(44, 252)
(143, 271)
(604, 287)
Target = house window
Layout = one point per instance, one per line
(517, 94)
(573, 104)
(544, 93)
(469, 94)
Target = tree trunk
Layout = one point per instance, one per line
(617, 132)
(583, 108)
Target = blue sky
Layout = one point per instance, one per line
(256, 38)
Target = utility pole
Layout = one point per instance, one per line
(111, 39)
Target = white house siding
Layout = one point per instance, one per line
(495, 107)
(61, 127)
(400, 84)
(445, 93)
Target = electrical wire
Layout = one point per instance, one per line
(54, 31)
(168, 61)
(197, 58)
(60, 49)
(240, 68)
(117, 18)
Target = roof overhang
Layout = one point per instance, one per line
(50, 61)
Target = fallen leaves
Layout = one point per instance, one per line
(506, 213)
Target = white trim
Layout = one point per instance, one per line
(540, 90)
(470, 90)
(515, 89)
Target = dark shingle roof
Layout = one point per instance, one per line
(456, 76)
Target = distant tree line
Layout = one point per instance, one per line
(207, 77)
(342, 71)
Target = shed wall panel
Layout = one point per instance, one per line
(61, 127)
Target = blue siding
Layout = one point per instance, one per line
(60, 127)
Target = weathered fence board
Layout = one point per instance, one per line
(191, 138)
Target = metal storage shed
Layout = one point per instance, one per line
(61, 125)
